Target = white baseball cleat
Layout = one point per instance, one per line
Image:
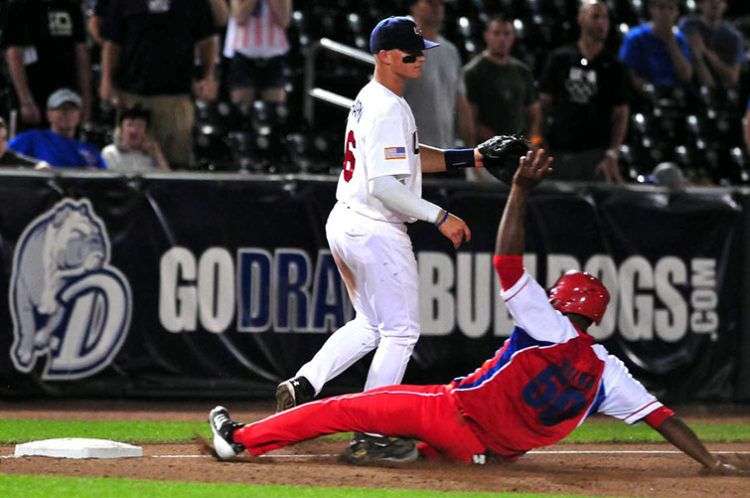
(223, 427)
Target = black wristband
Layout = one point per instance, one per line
(442, 217)
(458, 158)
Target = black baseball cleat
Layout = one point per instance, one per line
(366, 449)
(223, 428)
(293, 392)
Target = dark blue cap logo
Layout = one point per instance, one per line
(398, 32)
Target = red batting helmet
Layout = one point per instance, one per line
(580, 293)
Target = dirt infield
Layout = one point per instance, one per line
(616, 470)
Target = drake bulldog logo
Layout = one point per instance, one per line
(67, 302)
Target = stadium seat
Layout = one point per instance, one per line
(697, 125)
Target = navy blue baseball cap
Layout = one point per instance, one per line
(398, 32)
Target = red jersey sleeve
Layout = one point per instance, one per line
(509, 268)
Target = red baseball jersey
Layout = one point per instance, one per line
(545, 380)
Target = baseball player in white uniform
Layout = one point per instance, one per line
(379, 191)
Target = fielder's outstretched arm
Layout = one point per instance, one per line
(681, 436)
(436, 160)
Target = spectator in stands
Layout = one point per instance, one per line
(655, 52)
(58, 145)
(95, 11)
(7, 156)
(439, 96)
(716, 46)
(500, 88)
(46, 50)
(585, 100)
(148, 58)
(257, 46)
(134, 151)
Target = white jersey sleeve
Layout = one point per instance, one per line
(386, 146)
(624, 397)
(529, 306)
(381, 140)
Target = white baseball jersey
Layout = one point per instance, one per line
(381, 139)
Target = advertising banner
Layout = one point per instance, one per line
(197, 286)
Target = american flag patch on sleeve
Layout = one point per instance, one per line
(395, 153)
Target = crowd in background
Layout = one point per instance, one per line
(131, 85)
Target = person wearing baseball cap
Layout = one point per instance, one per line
(399, 32)
(58, 145)
(380, 191)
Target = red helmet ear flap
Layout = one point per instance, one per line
(580, 293)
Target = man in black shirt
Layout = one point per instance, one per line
(501, 88)
(584, 98)
(148, 59)
(45, 50)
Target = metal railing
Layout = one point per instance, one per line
(312, 92)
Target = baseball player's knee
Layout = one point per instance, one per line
(406, 337)
(402, 328)
(366, 331)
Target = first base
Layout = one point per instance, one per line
(77, 447)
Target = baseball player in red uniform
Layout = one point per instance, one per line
(545, 380)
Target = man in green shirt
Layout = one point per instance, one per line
(501, 88)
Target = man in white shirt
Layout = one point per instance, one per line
(379, 191)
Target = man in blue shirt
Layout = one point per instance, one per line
(58, 145)
(655, 52)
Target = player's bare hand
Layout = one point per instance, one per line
(532, 168)
(455, 229)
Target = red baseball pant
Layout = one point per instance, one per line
(426, 413)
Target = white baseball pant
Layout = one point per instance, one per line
(376, 260)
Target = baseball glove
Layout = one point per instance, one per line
(501, 153)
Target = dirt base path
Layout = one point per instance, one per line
(615, 470)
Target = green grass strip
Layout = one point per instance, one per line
(594, 431)
(15, 430)
(614, 431)
(43, 486)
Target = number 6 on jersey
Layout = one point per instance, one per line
(349, 160)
